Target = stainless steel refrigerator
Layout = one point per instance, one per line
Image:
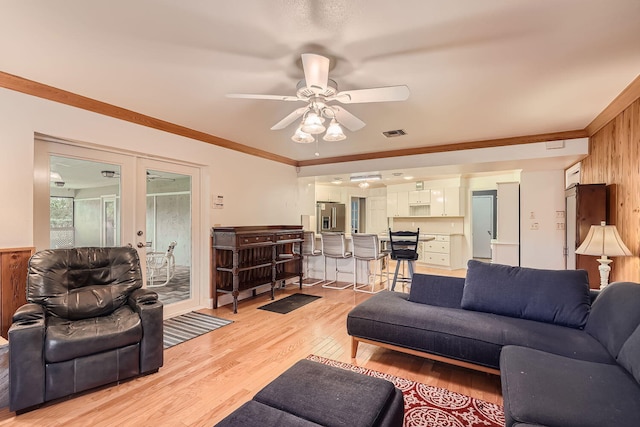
(331, 217)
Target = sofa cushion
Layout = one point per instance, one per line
(329, 396)
(615, 315)
(470, 336)
(545, 389)
(629, 356)
(69, 339)
(553, 296)
(442, 291)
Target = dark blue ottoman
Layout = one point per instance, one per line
(310, 394)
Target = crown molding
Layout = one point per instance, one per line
(617, 106)
(487, 143)
(30, 87)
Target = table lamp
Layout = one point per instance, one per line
(604, 241)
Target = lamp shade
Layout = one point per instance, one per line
(302, 137)
(334, 132)
(312, 124)
(603, 240)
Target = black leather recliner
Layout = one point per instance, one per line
(87, 323)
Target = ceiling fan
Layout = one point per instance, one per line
(319, 92)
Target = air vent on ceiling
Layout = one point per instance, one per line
(394, 133)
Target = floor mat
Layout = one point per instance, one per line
(190, 325)
(290, 303)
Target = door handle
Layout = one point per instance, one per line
(489, 231)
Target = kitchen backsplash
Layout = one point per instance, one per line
(430, 225)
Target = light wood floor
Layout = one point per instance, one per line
(205, 379)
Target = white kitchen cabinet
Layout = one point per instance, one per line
(447, 201)
(398, 204)
(376, 214)
(445, 251)
(325, 193)
(506, 248)
(419, 197)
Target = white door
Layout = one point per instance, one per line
(482, 225)
(90, 197)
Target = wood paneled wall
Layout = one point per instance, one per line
(614, 158)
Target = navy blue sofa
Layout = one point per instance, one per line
(567, 356)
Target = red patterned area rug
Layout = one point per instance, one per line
(428, 406)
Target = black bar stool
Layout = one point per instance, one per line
(404, 249)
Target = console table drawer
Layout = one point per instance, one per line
(253, 239)
(289, 236)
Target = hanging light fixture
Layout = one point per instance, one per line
(302, 137)
(334, 132)
(312, 123)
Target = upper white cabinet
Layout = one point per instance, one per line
(447, 202)
(419, 197)
(325, 193)
(398, 204)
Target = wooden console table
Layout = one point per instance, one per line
(244, 258)
(13, 283)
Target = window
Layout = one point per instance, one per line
(61, 222)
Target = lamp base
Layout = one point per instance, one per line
(604, 269)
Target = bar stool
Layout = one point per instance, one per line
(334, 246)
(404, 249)
(366, 247)
(309, 250)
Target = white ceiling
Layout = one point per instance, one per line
(476, 69)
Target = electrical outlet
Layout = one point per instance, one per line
(559, 214)
(559, 225)
(532, 215)
(535, 226)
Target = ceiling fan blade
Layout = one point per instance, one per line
(295, 115)
(316, 71)
(267, 97)
(347, 119)
(378, 94)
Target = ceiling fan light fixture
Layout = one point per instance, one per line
(302, 137)
(312, 123)
(334, 132)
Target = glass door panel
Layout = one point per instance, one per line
(168, 230)
(83, 203)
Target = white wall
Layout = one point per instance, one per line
(541, 197)
(255, 190)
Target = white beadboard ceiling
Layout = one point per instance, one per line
(476, 70)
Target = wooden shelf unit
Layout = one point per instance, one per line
(244, 258)
(13, 283)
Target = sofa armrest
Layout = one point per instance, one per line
(28, 312)
(26, 357)
(440, 291)
(146, 304)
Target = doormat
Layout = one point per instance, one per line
(190, 325)
(290, 303)
(425, 405)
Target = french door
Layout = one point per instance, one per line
(90, 197)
